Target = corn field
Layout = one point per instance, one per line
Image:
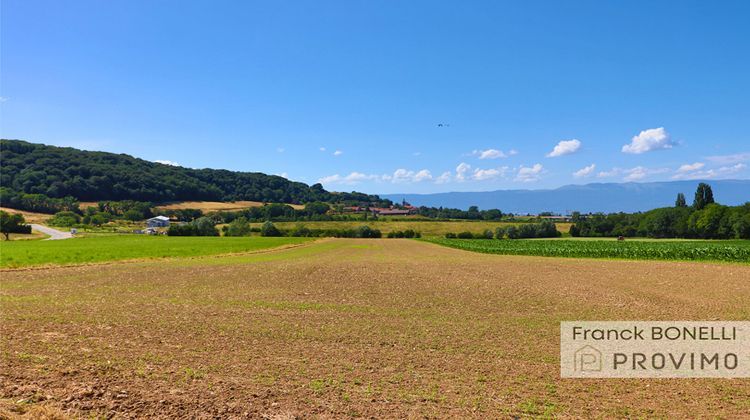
(729, 251)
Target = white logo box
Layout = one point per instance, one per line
(655, 349)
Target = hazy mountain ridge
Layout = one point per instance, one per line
(594, 197)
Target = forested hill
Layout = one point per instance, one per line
(92, 176)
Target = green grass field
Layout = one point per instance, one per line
(728, 251)
(125, 247)
(426, 228)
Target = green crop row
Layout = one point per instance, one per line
(729, 251)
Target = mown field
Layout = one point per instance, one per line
(345, 328)
(124, 247)
(208, 206)
(727, 251)
(29, 217)
(426, 228)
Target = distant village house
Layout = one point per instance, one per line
(158, 221)
(404, 210)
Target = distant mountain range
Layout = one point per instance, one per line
(596, 197)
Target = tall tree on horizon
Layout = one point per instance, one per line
(680, 201)
(703, 196)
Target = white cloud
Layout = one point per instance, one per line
(730, 159)
(283, 175)
(639, 172)
(699, 173)
(485, 174)
(444, 178)
(610, 173)
(648, 140)
(404, 175)
(398, 176)
(492, 154)
(461, 171)
(280, 149)
(167, 162)
(585, 172)
(338, 153)
(330, 179)
(634, 174)
(4, 99)
(417, 154)
(565, 147)
(423, 175)
(691, 167)
(529, 174)
(464, 173)
(322, 149)
(351, 179)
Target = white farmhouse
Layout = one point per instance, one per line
(158, 221)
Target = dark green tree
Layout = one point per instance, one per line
(238, 227)
(204, 226)
(269, 229)
(703, 196)
(680, 201)
(12, 223)
(316, 208)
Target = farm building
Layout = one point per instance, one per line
(383, 211)
(392, 212)
(557, 218)
(158, 221)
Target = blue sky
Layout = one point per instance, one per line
(535, 94)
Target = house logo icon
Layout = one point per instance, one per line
(587, 359)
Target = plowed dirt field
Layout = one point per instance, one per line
(339, 328)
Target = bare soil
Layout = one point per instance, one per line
(348, 328)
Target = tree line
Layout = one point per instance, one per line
(473, 213)
(544, 229)
(704, 219)
(59, 172)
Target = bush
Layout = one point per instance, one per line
(238, 227)
(409, 233)
(65, 219)
(367, 232)
(545, 229)
(203, 226)
(301, 231)
(269, 229)
(133, 215)
(188, 229)
(97, 220)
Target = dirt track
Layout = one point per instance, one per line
(376, 328)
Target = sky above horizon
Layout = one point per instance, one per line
(387, 96)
